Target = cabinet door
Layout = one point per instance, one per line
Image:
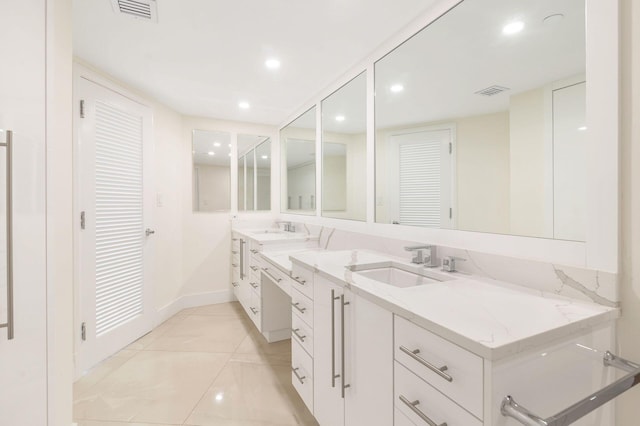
(23, 362)
(328, 404)
(368, 363)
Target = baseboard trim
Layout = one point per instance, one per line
(192, 301)
(277, 335)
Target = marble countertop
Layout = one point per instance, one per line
(282, 260)
(490, 318)
(272, 235)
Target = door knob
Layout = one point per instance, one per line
(149, 231)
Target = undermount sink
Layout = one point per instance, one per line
(398, 274)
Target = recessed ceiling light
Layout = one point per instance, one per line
(264, 157)
(211, 153)
(243, 105)
(229, 145)
(582, 128)
(272, 64)
(229, 154)
(216, 144)
(339, 117)
(397, 88)
(513, 27)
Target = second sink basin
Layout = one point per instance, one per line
(398, 274)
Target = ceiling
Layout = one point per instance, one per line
(203, 57)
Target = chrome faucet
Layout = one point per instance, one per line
(288, 226)
(424, 255)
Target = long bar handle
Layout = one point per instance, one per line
(510, 408)
(9, 325)
(342, 373)
(333, 338)
(299, 281)
(440, 371)
(242, 243)
(274, 279)
(300, 378)
(413, 405)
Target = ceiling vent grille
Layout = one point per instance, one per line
(141, 9)
(492, 90)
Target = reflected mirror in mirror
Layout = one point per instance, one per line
(241, 178)
(344, 151)
(480, 121)
(251, 179)
(298, 147)
(211, 171)
(263, 175)
(254, 173)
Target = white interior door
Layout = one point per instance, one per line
(422, 178)
(113, 187)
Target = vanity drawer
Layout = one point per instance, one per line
(302, 373)
(254, 309)
(302, 333)
(430, 402)
(255, 284)
(424, 352)
(302, 280)
(302, 307)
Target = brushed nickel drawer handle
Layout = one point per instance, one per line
(235, 284)
(440, 371)
(235, 251)
(254, 268)
(235, 265)
(271, 276)
(295, 331)
(254, 251)
(414, 407)
(297, 306)
(254, 310)
(234, 239)
(254, 285)
(299, 281)
(301, 378)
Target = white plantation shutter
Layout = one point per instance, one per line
(420, 183)
(119, 217)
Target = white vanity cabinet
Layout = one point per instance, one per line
(353, 363)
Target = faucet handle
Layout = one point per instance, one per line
(449, 263)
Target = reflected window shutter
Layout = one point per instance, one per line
(119, 217)
(420, 174)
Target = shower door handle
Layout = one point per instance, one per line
(9, 325)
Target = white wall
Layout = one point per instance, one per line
(629, 324)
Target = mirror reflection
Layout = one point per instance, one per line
(263, 175)
(211, 171)
(344, 151)
(480, 121)
(254, 173)
(298, 150)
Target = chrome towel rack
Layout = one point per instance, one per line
(510, 408)
(9, 325)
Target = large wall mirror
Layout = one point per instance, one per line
(344, 151)
(480, 121)
(254, 173)
(211, 171)
(298, 163)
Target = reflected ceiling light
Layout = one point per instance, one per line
(272, 64)
(216, 144)
(513, 27)
(229, 145)
(229, 154)
(264, 157)
(211, 153)
(582, 128)
(219, 396)
(243, 105)
(339, 117)
(397, 88)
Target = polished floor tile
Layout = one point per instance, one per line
(251, 392)
(204, 366)
(152, 387)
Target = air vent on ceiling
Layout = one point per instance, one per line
(492, 90)
(141, 9)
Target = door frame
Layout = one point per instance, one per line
(83, 72)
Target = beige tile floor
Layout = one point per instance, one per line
(204, 366)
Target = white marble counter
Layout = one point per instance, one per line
(281, 259)
(491, 318)
(272, 235)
